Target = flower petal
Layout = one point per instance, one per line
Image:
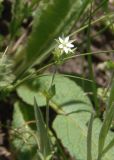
(66, 40)
(70, 45)
(66, 49)
(61, 46)
(61, 40)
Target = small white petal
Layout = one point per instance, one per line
(61, 46)
(66, 40)
(61, 40)
(70, 45)
(66, 49)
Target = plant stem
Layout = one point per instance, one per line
(48, 100)
(47, 114)
(90, 63)
(92, 23)
(89, 138)
(16, 84)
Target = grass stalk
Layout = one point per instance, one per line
(110, 15)
(94, 89)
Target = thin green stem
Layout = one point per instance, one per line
(16, 84)
(91, 63)
(109, 85)
(54, 73)
(89, 138)
(92, 23)
(87, 53)
(32, 74)
(48, 100)
(47, 114)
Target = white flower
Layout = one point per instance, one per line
(65, 45)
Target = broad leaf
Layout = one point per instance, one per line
(72, 131)
(69, 96)
(23, 140)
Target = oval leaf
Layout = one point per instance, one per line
(69, 96)
(23, 142)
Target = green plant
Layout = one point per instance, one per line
(52, 114)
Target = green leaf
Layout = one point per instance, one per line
(44, 139)
(23, 140)
(105, 128)
(111, 97)
(51, 91)
(52, 19)
(17, 16)
(27, 93)
(72, 131)
(89, 138)
(69, 96)
(96, 132)
(108, 147)
(105, 5)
